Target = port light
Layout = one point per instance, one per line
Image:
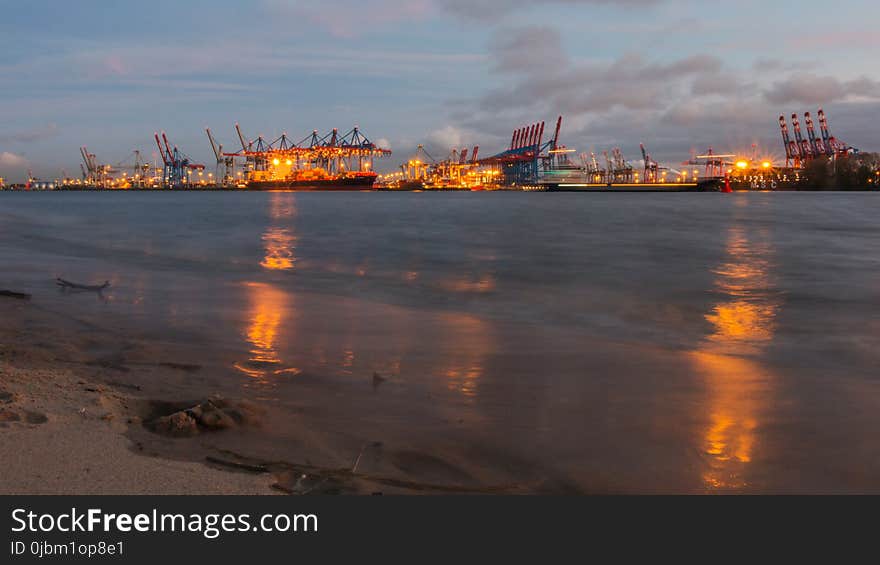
(742, 164)
(766, 164)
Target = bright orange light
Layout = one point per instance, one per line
(289, 162)
(742, 164)
(766, 164)
(276, 162)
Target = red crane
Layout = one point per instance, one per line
(792, 152)
(815, 148)
(556, 134)
(803, 144)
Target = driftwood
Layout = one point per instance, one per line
(12, 294)
(236, 465)
(343, 479)
(93, 287)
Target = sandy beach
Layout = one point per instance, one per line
(64, 429)
(74, 423)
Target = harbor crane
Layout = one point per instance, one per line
(652, 167)
(522, 162)
(799, 151)
(225, 161)
(177, 165)
(716, 164)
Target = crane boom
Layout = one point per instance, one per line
(826, 134)
(556, 134)
(815, 146)
(244, 146)
(165, 158)
(803, 145)
(168, 147)
(218, 150)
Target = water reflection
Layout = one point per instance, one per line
(263, 332)
(743, 324)
(470, 343)
(279, 244)
(745, 319)
(464, 284)
(279, 240)
(354, 338)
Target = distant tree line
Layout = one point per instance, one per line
(857, 171)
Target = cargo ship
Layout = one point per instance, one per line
(314, 179)
(568, 177)
(782, 179)
(628, 187)
(328, 163)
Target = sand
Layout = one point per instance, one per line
(62, 433)
(79, 400)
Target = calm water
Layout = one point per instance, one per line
(629, 342)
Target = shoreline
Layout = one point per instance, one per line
(598, 188)
(66, 432)
(74, 423)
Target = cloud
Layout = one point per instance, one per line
(630, 81)
(484, 9)
(675, 104)
(31, 135)
(808, 88)
(845, 39)
(11, 160)
(449, 137)
(527, 49)
(351, 18)
(775, 66)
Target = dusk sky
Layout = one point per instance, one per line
(675, 74)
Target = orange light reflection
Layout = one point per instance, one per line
(744, 324)
(471, 343)
(279, 241)
(263, 333)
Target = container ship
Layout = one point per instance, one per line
(775, 179)
(806, 153)
(314, 179)
(331, 162)
(561, 173)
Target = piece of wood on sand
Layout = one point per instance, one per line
(13, 294)
(93, 287)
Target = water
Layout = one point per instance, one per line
(608, 342)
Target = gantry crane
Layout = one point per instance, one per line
(222, 160)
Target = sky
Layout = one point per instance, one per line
(678, 75)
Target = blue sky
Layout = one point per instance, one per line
(679, 75)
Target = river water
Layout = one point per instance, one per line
(596, 342)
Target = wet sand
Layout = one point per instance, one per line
(76, 423)
(63, 427)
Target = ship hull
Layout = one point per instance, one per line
(761, 183)
(364, 182)
(630, 187)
